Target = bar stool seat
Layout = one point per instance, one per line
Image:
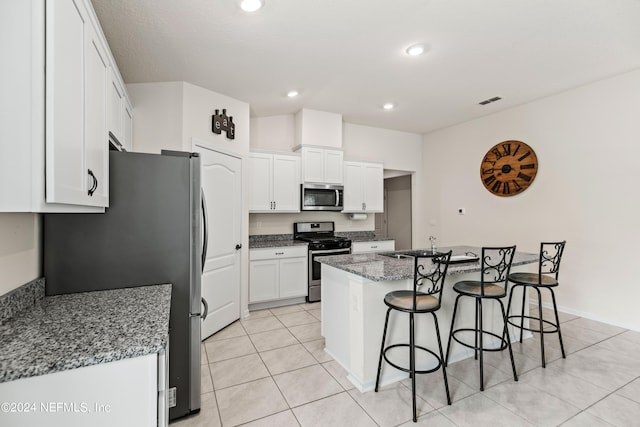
(425, 297)
(492, 286)
(472, 288)
(546, 278)
(403, 301)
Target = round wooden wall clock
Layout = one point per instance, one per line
(508, 168)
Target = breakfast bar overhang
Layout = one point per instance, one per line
(353, 311)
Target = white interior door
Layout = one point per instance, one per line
(221, 280)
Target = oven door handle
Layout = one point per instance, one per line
(331, 252)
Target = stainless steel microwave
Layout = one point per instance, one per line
(321, 197)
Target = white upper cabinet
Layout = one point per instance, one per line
(55, 107)
(274, 183)
(76, 136)
(120, 112)
(363, 187)
(321, 165)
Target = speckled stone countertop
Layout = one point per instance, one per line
(377, 268)
(71, 331)
(361, 236)
(260, 241)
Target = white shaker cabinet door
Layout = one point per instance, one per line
(312, 164)
(373, 187)
(76, 115)
(67, 178)
(97, 75)
(353, 187)
(286, 183)
(333, 166)
(260, 182)
(293, 277)
(264, 280)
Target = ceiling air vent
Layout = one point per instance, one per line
(490, 100)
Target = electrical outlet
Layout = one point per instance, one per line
(462, 211)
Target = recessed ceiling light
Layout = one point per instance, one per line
(251, 5)
(292, 93)
(388, 106)
(416, 49)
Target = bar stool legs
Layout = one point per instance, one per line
(479, 332)
(555, 327)
(412, 359)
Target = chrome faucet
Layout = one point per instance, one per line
(433, 244)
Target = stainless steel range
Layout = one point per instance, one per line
(322, 242)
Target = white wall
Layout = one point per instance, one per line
(585, 191)
(19, 250)
(274, 132)
(168, 115)
(157, 116)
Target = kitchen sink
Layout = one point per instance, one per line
(407, 254)
(455, 259)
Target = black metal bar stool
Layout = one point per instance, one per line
(495, 266)
(429, 274)
(547, 278)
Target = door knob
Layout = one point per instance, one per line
(238, 246)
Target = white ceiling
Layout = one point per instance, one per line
(347, 56)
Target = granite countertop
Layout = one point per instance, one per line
(75, 330)
(377, 268)
(260, 241)
(276, 240)
(261, 244)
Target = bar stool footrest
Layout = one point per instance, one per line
(503, 342)
(432, 353)
(526, 328)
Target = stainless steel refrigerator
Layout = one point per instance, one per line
(153, 232)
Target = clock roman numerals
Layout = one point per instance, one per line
(488, 180)
(524, 176)
(506, 189)
(508, 168)
(524, 156)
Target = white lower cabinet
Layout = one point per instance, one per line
(373, 246)
(277, 273)
(120, 393)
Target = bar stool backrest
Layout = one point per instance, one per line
(550, 256)
(496, 263)
(429, 274)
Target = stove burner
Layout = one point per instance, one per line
(319, 235)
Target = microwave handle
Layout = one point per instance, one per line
(337, 198)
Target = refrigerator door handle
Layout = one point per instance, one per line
(206, 309)
(205, 227)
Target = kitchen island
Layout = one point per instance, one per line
(353, 311)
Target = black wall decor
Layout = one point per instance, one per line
(222, 122)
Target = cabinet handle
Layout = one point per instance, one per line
(94, 183)
(274, 205)
(374, 247)
(279, 253)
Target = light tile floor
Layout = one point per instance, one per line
(270, 370)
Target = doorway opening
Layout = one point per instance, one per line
(395, 221)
